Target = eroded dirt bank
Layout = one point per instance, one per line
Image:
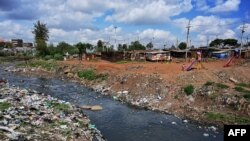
(160, 86)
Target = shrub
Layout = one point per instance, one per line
(87, 74)
(189, 89)
(222, 86)
(58, 56)
(208, 83)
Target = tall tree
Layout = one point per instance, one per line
(82, 49)
(63, 47)
(124, 47)
(120, 47)
(182, 46)
(216, 43)
(100, 46)
(149, 46)
(136, 45)
(41, 33)
(230, 42)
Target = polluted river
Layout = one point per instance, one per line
(118, 121)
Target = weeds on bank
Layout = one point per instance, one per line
(246, 93)
(4, 105)
(212, 116)
(48, 65)
(189, 89)
(91, 75)
(222, 86)
(122, 62)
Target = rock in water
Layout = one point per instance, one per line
(96, 108)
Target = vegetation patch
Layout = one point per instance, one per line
(189, 89)
(87, 74)
(91, 75)
(122, 62)
(58, 106)
(222, 86)
(212, 116)
(246, 93)
(48, 65)
(4, 105)
(209, 83)
(247, 85)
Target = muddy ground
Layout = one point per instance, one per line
(160, 86)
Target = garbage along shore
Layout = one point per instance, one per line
(29, 115)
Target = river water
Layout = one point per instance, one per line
(117, 121)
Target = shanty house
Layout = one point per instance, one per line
(158, 56)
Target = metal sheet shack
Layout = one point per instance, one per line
(158, 56)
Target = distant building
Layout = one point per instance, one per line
(27, 44)
(17, 42)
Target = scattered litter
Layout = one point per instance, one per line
(185, 121)
(174, 123)
(205, 134)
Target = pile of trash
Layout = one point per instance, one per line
(30, 115)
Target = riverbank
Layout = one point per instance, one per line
(214, 99)
(29, 115)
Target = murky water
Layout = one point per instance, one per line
(117, 121)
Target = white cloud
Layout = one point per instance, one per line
(149, 12)
(227, 6)
(203, 27)
(10, 30)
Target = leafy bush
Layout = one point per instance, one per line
(58, 56)
(222, 86)
(189, 89)
(87, 74)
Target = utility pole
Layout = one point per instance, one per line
(207, 40)
(115, 37)
(188, 28)
(177, 44)
(247, 39)
(242, 32)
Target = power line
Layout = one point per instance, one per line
(242, 32)
(188, 28)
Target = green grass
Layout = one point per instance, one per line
(48, 65)
(222, 86)
(226, 118)
(246, 93)
(122, 62)
(189, 89)
(58, 106)
(209, 83)
(247, 85)
(4, 105)
(91, 75)
(239, 89)
(87, 74)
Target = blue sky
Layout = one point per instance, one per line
(161, 21)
